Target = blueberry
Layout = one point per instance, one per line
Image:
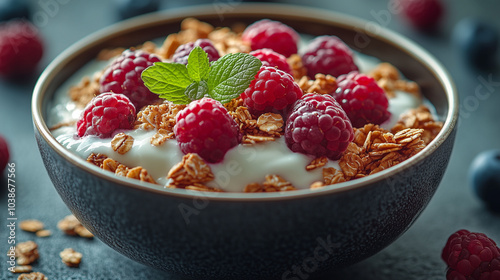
(484, 175)
(10, 9)
(132, 8)
(478, 41)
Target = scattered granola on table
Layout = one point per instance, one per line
(31, 225)
(259, 97)
(71, 226)
(32, 276)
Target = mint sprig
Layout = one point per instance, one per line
(224, 80)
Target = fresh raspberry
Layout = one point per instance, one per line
(362, 99)
(328, 55)
(182, 52)
(271, 58)
(21, 48)
(471, 256)
(124, 76)
(422, 14)
(274, 35)
(272, 90)
(4, 154)
(205, 127)
(105, 114)
(318, 126)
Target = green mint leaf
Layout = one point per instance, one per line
(231, 74)
(197, 90)
(198, 65)
(168, 80)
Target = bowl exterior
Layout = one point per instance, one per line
(209, 239)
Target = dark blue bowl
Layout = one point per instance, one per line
(251, 236)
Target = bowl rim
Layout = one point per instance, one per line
(254, 9)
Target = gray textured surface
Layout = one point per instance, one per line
(416, 255)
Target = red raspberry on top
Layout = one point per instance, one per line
(362, 99)
(4, 154)
(471, 256)
(328, 55)
(318, 126)
(123, 76)
(271, 58)
(105, 114)
(274, 35)
(272, 90)
(182, 52)
(205, 127)
(422, 14)
(21, 48)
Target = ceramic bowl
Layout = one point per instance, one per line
(251, 236)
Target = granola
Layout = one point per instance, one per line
(422, 118)
(122, 143)
(389, 79)
(32, 276)
(72, 226)
(27, 253)
(373, 149)
(272, 183)
(22, 269)
(297, 67)
(31, 225)
(322, 84)
(70, 257)
(191, 171)
(114, 166)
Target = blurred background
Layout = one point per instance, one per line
(416, 255)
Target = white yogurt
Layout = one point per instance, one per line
(242, 165)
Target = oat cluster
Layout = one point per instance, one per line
(26, 253)
(272, 183)
(267, 127)
(389, 79)
(323, 84)
(109, 164)
(70, 225)
(373, 149)
(160, 118)
(70, 257)
(191, 174)
(32, 276)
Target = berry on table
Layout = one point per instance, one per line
(478, 41)
(21, 48)
(271, 58)
(328, 55)
(362, 99)
(182, 52)
(318, 126)
(205, 127)
(105, 114)
(484, 176)
(11, 9)
(422, 14)
(274, 35)
(471, 256)
(4, 153)
(272, 90)
(123, 76)
(132, 8)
